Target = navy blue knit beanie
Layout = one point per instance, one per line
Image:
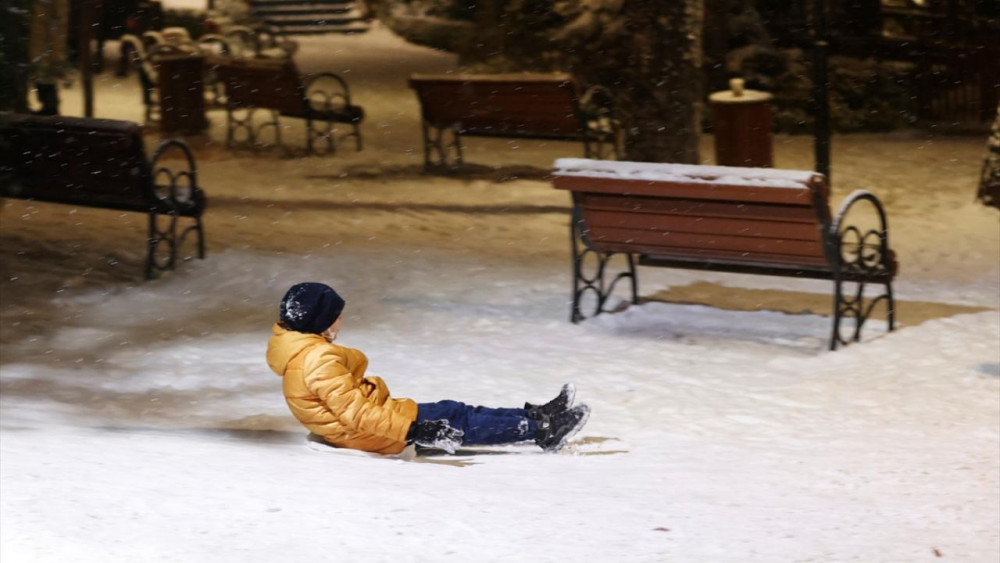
(310, 307)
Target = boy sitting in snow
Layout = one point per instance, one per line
(327, 391)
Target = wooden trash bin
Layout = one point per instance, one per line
(182, 94)
(741, 121)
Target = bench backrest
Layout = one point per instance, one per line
(503, 104)
(751, 216)
(263, 83)
(93, 162)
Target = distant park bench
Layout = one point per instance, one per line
(741, 220)
(320, 99)
(147, 53)
(101, 163)
(529, 106)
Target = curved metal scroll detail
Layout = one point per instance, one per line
(242, 132)
(602, 131)
(264, 42)
(213, 45)
(135, 54)
(437, 150)
(174, 194)
(328, 94)
(597, 283)
(862, 257)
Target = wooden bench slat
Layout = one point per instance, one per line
(259, 84)
(759, 259)
(645, 242)
(725, 192)
(511, 99)
(597, 219)
(102, 167)
(514, 97)
(518, 77)
(472, 117)
(760, 264)
(529, 106)
(526, 103)
(698, 208)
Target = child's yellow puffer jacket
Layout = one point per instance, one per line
(326, 390)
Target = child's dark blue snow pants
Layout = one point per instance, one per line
(483, 426)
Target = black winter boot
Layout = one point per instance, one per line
(561, 403)
(553, 432)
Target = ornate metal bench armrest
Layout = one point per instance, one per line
(151, 37)
(320, 96)
(147, 74)
(598, 103)
(601, 128)
(176, 188)
(242, 41)
(206, 43)
(852, 250)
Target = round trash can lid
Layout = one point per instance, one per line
(747, 97)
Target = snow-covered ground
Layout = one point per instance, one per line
(139, 422)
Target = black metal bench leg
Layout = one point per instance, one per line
(593, 147)
(229, 128)
(277, 128)
(234, 123)
(151, 243)
(597, 284)
(310, 134)
(837, 313)
(634, 279)
(200, 228)
(425, 130)
(357, 136)
(434, 145)
(860, 315)
(891, 314)
(457, 143)
(597, 144)
(157, 237)
(328, 133)
(575, 316)
(861, 309)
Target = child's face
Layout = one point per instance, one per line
(331, 333)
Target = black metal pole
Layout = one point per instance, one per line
(86, 67)
(821, 102)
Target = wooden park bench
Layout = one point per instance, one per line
(101, 163)
(320, 99)
(741, 220)
(147, 56)
(529, 106)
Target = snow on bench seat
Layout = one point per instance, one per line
(687, 180)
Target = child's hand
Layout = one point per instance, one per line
(436, 434)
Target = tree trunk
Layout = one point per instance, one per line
(490, 36)
(660, 82)
(14, 61)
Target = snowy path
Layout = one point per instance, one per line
(139, 422)
(149, 429)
